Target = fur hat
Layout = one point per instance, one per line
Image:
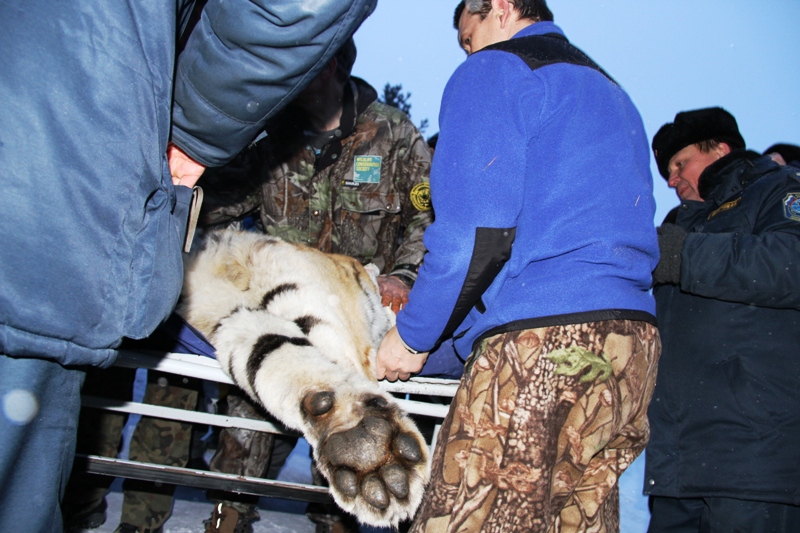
(789, 152)
(690, 127)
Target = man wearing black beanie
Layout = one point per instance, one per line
(725, 415)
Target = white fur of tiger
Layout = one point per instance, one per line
(298, 330)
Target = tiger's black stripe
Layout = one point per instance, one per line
(265, 346)
(305, 323)
(274, 293)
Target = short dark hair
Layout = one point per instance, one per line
(535, 10)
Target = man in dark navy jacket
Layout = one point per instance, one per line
(725, 417)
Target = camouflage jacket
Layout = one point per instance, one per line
(364, 194)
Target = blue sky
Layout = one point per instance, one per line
(669, 55)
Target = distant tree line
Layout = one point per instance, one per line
(394, 96)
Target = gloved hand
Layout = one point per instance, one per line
(670, 244)
(394, 293)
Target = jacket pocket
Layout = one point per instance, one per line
(368, 222)
(377, 203)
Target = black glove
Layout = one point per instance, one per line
(670, 244)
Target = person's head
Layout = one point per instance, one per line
(484, 22)
(432, 140)
(333, 76)
(783, 153)
(684, 148)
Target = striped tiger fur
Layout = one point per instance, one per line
(298, 330)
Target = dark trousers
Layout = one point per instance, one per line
(39, 405)
(721, 515)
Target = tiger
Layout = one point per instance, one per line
(298, 330)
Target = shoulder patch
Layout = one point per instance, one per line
(421, 196)
(791, 206)
(724, 207)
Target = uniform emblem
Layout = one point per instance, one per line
(421, 196)
(791, 206)
(367, 169)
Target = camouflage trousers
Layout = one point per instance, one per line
(246, 452)
(167, 442)
(543, 424)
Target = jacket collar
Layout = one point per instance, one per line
(729, 175)
(539, 28)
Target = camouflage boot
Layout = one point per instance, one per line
(127, 528)
(229, 519)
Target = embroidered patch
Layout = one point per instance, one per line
(724, 207)
(421, 196)
(367, 169)
(791, 206)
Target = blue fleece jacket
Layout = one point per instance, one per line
(556, 159)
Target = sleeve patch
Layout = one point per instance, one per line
(791, 206)
(421, 196)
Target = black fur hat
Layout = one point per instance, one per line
(789, 152)
(690, 127)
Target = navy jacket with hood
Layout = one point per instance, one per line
(725, 415)
(92, 228)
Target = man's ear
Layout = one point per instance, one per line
(724, 148)
(502, 10)
(330, 69)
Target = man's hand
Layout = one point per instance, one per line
(394, 293)
(185, 170)
(395, 361)
(670, 245)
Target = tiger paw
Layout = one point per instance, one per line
(377, 468)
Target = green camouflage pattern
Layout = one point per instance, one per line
(320, 202)
(542, 426)
(145, 504)
(165, 442)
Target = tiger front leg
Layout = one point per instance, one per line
(371, 453)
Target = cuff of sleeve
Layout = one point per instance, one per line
(406, 273)
(407, 347)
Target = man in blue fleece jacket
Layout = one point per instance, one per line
(539, 264)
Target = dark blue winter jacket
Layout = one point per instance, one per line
(544, 207)
(91, 227)
(725, 415)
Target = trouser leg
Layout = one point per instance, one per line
(40, 402)
(728, 515)
(542, 425)
(676, 515)
(247, 452)
(166, 442)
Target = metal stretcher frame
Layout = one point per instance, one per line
(205, 368)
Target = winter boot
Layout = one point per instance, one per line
(127, 528)
(227, 519)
